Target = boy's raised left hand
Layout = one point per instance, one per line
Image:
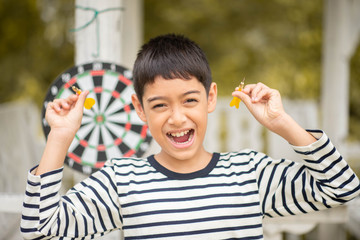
(264, 104)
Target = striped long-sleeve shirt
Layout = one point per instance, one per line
(226, 200)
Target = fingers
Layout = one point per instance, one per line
(258, 92)
(62, 104)
(73, 101)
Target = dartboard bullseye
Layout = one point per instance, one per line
(111, 128)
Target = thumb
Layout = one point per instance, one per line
(81, 100)
(244, 97)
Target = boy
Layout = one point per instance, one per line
(184, 191)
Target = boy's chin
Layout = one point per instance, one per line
(178, 154)
(182, 156)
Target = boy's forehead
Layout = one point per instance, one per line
(170, 85)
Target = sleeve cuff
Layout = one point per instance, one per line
(322, 140)
(46, 178)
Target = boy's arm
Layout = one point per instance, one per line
(88, 210)
(266, 106)
(64, 117)
(91, 208)
(324, 178)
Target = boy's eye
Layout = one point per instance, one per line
(160, 105)
(191, 100)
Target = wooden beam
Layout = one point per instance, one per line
(341, 35)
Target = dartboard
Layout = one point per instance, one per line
(111, 128)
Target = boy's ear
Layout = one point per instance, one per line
(212, 97)
(138, 107)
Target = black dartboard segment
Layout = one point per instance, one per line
(111, 128)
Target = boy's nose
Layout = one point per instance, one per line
(177, 117)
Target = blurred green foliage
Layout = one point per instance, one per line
(354, 125)
(274, 42)
(34, 46)
(277, 42)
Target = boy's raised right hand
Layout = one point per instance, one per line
(64, 118)
(65, 115)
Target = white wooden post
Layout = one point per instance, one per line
(115, 35)
(107, 31)
(341, 35)
(132, 32)
(20, 149)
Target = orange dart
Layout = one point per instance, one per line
(89, 102)
(236, 101)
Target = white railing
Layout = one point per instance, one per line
(229, 129)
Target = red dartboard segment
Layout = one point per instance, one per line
(97, 72)
(70, 83)
(127, 126)
(104, 134)
(127, 108)
(129, 153)
(144, 131)
(99, 164)
(118, 141)
(84, 143)
(74, 157)
(115, 94)
(125, 80)
(101, 147)
(98, 89)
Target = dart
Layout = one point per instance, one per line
(89, 102)
(236, 101)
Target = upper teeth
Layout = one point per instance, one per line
(179, 134)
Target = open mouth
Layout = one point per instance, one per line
(181, 138)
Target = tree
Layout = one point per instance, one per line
(34, 48)
(275, 42)
(354, 125)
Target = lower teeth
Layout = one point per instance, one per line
(189, 139)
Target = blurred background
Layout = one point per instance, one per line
(280, 43)
(277, 42)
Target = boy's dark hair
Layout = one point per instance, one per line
(170, 56)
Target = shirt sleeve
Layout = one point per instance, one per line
(88, 210)
(322, 180)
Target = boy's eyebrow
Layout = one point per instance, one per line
(191, 91)
(150, 99)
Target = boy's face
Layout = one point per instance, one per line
(176, 113)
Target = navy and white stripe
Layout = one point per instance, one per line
(225, 200)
